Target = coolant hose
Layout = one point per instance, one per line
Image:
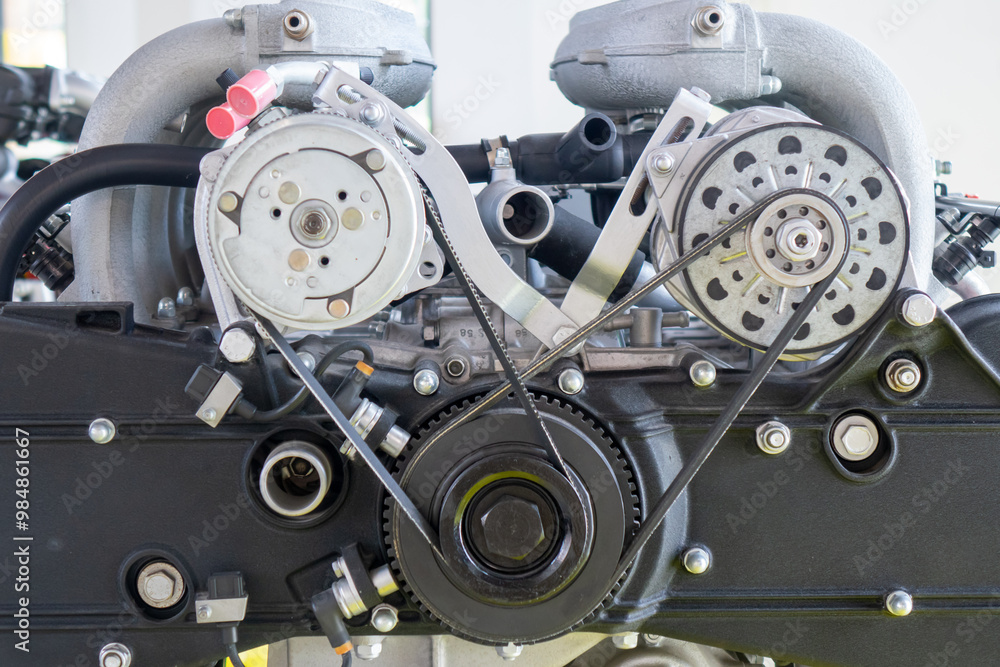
(87, 171)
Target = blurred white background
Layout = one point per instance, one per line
(493, 58)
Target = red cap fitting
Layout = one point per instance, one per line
(223, 122)
(251, 94)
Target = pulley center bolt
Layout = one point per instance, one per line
(903, 376)
(513, 527)
(773, 437)
(315, 224)
(798, 240)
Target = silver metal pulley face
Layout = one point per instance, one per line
(748, 286)
(315, 222)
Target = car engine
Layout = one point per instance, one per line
(705, 380)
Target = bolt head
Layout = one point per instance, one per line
(384, 618)
(626, 641)
(185, 296)
(375, 160)
(372, 114)
(703, 373)
(426, 382)
(510, 651)
(339, 308)
(663, 163)
(919, 310)
(899, 603)
(228, 202)
(903, 376)
(571, 381)
(237, 346)
(204, 612)
(513, 527)
(159, 587)
(166, 309)
(368, 651)
(210, 414)
(102, 431)
(773, 437)
(855, 438)
(697, 560)
(858, 440)
(115, 655)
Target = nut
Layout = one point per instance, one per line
(903, 376)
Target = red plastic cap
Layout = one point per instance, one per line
(251, 94)
(223, 122)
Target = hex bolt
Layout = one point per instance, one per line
(368, 648)
(513, 527)
(237, 346)
(160, 585)
(385, 618)
(626, 641)
(426, 382)
(903, 376)
(571, 381)
(899, 603)
(115, 655)
(703, 373)
(166, 309)
(919, 310)
(855, 438)
(773, 437)
(697, 560)
(510, 652)
(102, 431)
(204, 613)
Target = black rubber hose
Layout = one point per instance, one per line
(234, 655)
(536, 160)
(248, 411)
(80, 174)
(568, 246)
